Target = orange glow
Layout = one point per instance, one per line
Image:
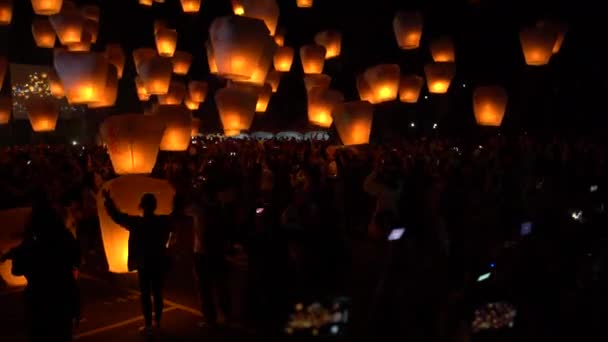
(279, 37)
(111, 90)
(156, 75)
(489, 104)
(274, 79)
(116, 56)
(43, 114)
(236, 108)
(5, 109)
(191, 6)
(231, 133)
(196, 124)
(142, 54)
(178, 123)
(146, 2)
(142, 94)
(175, 95)
(332, 41)
(46, 7)
(197, 91)
(558, 29)
(55, 85)
(43, 32)
(409, 88)
(353, 121)
(321, 102)
(68, 25)
(264, 94)
(14, 222)
(313, 58)
(181, 62)
(537, 44)
(192, 105)
(237, 7)
(80, 46)
(211, 59)
(382, 83)
(82, 74)
(408, 29)
(442, 50)
(283, 58)
(166, 42)
(439, 76)
(6, 13)
(304, 3)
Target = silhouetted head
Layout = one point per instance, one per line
(148, 204)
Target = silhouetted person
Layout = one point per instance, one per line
(148, 238)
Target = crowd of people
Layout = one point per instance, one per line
(460, 225)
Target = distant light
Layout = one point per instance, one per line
(412, 124)
(434, 126)
(492, 265)
(74, 142)
(426, 97)
(464, 85)
(335, 329)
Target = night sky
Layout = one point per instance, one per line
(568, 93)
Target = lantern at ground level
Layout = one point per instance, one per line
(279, 37)
(116, 56)
(47, 7)
(197, 91)
(178, 125)
(274, 79)
(43, 32)
(3, 67)
(409, 88)
(82, 74)
(192, 105)
(55, 85)
(408, 29)
(156, 75)
(68, 25)
(304, 3)
(442, 50)
(211, 58)
(166, 42)
(283, 57)
(237, 7)
(383, 81)
(316, 81)
(439, 75)
(191, 6)
(558, 29)
(313, 58)
(196, 126)
(126, 192)
(43, 114)
(321, 102)
(111, 90)
(537, 45)
(353, 121)
(6, 106)
(6, 12)
(175, 95)
(132, 142)
(332, 41)
(142, 54)
(181, 62)
(142, 94)
(236, 108)
(14, 222)
(489, 104)
(266, 10)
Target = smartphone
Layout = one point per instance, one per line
(483, 277)
(259, 211)
(526, 228)
(396, 234)
(593, 188)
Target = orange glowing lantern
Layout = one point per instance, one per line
(3, 66)
(181, 62)
(191, 6)
(142, 54)
(142, 94)
(196, 126)
(92, 28)
(197, 91)
(175, 95)
(266, 10)
(5, 109)
(442, 50)
(258, 77)
(82, 74)
(408, 29)
(558, 29)
(211, 58)
(264, 94)
(192, 105)
(116, 57)
(47, 7)
(166, 42)
(111, 90)
(43, 32)
(304, 3)
(489, 104)
(316, 81)
(383, 81)
(146, 2)
(6, 12)
(68, 25)
(156, 75)
(126, 191)
(91, 12)
(43, 114)
(274, 79)
(409, 88)
(364, 89)
(313, 58)
(55, 85)
(236, 108)
(237, 7)
(332, 41)
(14, 222)
(279, 37)
(178, 125)
(283, 57)
(83, 45)
(439, 75)
(321, 103)
(537, 44)
(353, 121)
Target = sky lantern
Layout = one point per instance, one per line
(264, 94)
(537, 45)
(304, 3)
(191, 6)
(68, 25)
(175, 95)
(192, 105)
(408, 29)
(283, 57)
(82, 74)
(383, 81)
(92, 28)
(47, 7)
(237, 7)
(43, 114)
(364, 89)
(142, 94)
(266, 10)
(279, 37)
(558, 29)
(178, 125)
(489, 105)
(238, 44)
(6, 105)
(126, 191)
(181, 62)
(147, 3)
(313, 58)
(211, 58)
(55, 85)
(3, 67)
(116, 56)
(6, 12)
(321, 102)
(409, 88)
(332, 41)
(442, 50)
(111, 90)
(14, 222)
(197, 90)
(439, 75)
(353, 121)
(142, 54)
(91, 12)
(258, 77)
(196, 126)
(43, 32)
(236, 108)
(316, 80)
(274, 79)
(83, 45)
(156, 75)
(166, 42)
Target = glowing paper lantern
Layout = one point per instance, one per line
(166, 42)
(5, 109)
(175, 95)
(47, 7)
(332, 41)
(156, 75)
(43, 32)
(92, 28)
(304, 3)
(196, 125)
(142, 54)
(442, 50)
(383, 81)
(279, 37)
(55, 85)
(313, 58)
(273, 79)
(91, 12)
(439, 75)
(191, 6)
(111, 90)
(264, 94)
(181, 62)
(178, 125)
(43, 114)
(558, 29)
(116, 56)
(283, 57)
(6, 12)
(353, 121)
(266, 10)
(146, 2)
(197, 91)
(237, 7)
(238, 44)
(321, 102)
(364, 89)
(408, 29)
(126, 191)
(83, 45)
(3, 66)
(316, 81)
(14, 222)
(258, 77)
(236, 108)
(142, 94)
(409, 88)
(489, 104)
(192, 105)
(68, 25)
(211, 58)
(537, 45)
(82, 74)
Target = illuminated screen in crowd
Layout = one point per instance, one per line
(31, 81)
